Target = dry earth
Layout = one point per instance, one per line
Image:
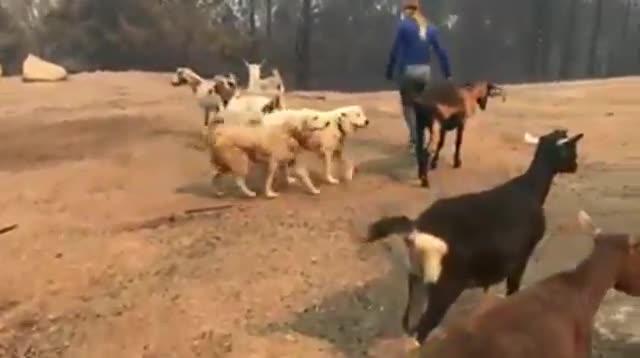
(87, 168)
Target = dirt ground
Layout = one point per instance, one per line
(89, 168)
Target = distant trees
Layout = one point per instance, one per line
(323, 43)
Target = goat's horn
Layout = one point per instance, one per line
(563, 141)
(500, 91)
(531, 139)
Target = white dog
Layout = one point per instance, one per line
(329, 143)
(233, 146)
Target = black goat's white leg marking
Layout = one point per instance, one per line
(457, 162)
(426, 258)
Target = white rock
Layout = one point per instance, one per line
(36, 69)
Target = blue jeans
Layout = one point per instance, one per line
(412, 81)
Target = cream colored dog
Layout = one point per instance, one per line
(233, 146)
(328, 143)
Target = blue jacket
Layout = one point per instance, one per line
(409, 49)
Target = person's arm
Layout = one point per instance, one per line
(395, 49)
(443, 57)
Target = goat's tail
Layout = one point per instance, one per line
(388, 226)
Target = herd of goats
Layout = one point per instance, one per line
(474, 240)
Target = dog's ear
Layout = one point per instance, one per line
(345, 122)
(218, 88)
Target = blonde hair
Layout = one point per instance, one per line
(422, 22)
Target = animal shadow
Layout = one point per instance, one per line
(623, 346)
(397, 164)
(351, 320)
(255, 181)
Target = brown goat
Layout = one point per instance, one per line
(450, 105)
(552, 318)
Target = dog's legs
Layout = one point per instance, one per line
(242, 184)
(328, 167)
(303, 174)
(347, 165)
(268, 185)
(215, 175)
(290, 178)
(216, 172)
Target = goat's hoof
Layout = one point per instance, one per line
(315, 191)
(457, 164)
(424, 182)
(434, 164)
(251, 194)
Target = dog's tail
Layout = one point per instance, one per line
(389, 226)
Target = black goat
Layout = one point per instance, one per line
(479, 239)
(449, 106)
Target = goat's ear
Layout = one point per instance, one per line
(587, 223)
(482, 101)
(218, 87)
(531, 139)
(576, 138)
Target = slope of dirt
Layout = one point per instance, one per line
(90, 167)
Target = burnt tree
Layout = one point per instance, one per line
(303, 46)
(569, 38)
(594, 38)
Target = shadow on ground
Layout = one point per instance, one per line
(623, 346)
(351, 320)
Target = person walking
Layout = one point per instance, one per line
(410, 54)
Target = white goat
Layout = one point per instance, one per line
(211, 95)
(271, 84)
